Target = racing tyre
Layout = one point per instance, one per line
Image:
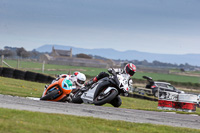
(30, 76)
(50, 95)
(7, 72)
(41, 78)
(103, 99)
(1, 68)
(18, 74)
(116, 102)
(50, 79)
(77, 97)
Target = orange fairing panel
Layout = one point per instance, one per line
(58, 84)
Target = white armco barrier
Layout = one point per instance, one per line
(187, 102)
(187, 98)
(167, 100)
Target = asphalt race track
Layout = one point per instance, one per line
(139, 116)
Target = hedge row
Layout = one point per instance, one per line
(25, 75)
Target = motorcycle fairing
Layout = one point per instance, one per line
(109, 89)
(88, 96)
(67, 84)
(62, 91)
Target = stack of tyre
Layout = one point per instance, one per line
(25, 75)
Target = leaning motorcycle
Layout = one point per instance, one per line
(106, 90)
(58, 91)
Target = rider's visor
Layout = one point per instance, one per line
(80, 81)
(129, 71)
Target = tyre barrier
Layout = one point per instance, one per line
(8, 72)
(50, 79)
(25, 75)
(19, 74)
(30, 76)
(1, 71)
(41, 78)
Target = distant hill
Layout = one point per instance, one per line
(192, 59)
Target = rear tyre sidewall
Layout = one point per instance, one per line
(110, 97)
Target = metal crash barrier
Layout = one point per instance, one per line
(178, 102)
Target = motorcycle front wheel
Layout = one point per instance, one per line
(50, 95)
(102, 98)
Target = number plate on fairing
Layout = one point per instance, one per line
(88, 96)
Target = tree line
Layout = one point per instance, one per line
(14, 52)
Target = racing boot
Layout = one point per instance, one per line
(46, 86)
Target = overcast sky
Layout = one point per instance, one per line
(156, 26)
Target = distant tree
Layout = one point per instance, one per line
(21, 52)
(35, 54)
(182, 70)
(83, 56)
(7, 53)
(144, 62)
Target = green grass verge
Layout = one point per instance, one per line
(22, 88)
(15, 121)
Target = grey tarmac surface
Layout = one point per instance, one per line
(111, 113)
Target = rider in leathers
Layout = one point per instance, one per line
(76, 81)
(128, 71)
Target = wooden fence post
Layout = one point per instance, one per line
(2, 57)
(43, 66)
(18, 63)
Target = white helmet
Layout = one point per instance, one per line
(80, 79)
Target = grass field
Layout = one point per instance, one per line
(14, 121)
(169, 77)
(59, 69)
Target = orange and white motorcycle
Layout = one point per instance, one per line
(59, 90)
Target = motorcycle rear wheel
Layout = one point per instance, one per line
(77, 97)
(116, 102)
(50, 95)
(109, 97)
